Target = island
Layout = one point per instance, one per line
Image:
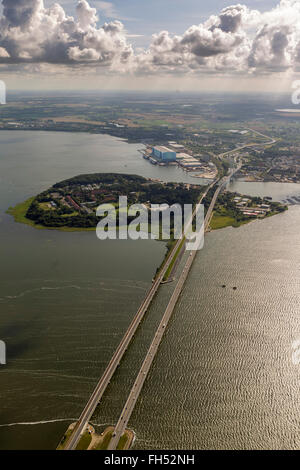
(71, 204)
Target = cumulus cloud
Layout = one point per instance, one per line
(87, 16)
(272, 49)
(219, 42)
(3, 52)
(20, 12)
(29, 32)
(237, 40)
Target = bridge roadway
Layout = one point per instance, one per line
(118, 354)
(141, 377)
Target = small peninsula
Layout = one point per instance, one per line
(234, 209)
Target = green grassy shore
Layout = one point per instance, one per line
(19, 214)
(221, 221)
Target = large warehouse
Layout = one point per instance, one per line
(163, 153)
(188, 161)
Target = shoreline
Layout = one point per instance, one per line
(72, 131)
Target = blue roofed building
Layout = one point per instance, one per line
(163, 154)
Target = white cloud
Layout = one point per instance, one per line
(29, 32)
(239, 40)
(86, 15)
(3, 52)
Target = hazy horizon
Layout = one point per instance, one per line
(166, 45)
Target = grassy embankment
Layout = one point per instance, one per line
(222, 218)
(124, 443)
(83, 443)
(19, 212)
(170, 246)
(169, 270)
(105, 441)
(96, 441)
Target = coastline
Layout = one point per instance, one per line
(217, 222)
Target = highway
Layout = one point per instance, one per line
(254, 144)
(118, 354)
(141, 377)
(129, 334)
(139, 382)
(272, 141)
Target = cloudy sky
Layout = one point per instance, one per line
(150, 44)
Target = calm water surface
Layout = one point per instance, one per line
(279, 191)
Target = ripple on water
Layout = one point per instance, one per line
(224, 377)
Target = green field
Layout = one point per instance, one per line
(221, 221)
(104, 444)
(168, 272)
(122, 442)
(64, 439)
(84, 442)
